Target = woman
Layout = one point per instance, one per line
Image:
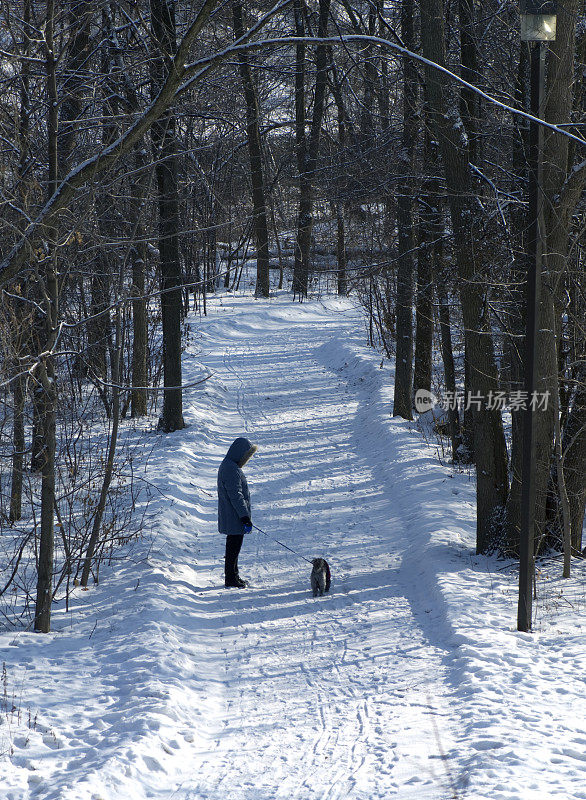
(234, 506)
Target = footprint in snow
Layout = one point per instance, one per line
(152, 764)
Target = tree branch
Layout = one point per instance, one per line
(181, 77)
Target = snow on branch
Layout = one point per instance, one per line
(184, 75)
(204, 64)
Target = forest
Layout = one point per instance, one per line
(150, 151)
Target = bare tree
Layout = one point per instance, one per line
(45, 373)
(403, 401)
(259, 213)
(165, 145)
(308, 148)
(490, 453)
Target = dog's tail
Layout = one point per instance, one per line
(328, 576)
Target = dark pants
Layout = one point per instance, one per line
(233, 545)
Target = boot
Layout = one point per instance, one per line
(235, 583)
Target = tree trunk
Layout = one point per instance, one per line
(429, 260)
(470, 115)
(46, 376)
(99, 329)
(19, 384)
(563, 493)
(338, 203)
(403, 402)
(300, 269)
(109, 466)
(307, 152)
(513, 343)
(432, 224)
(470, 71)
(341, 250)
(45, 373)
(98, 326)
(558, 209)
(449, 369)
(278, 243)
(140, 183)
(562, 189)
(165, 145)
(367, 118)
(256, 166)
(75, 79)
(423, 321)
(139, 256)
(18, 447)
(490, 453)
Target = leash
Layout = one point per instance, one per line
(295, 553)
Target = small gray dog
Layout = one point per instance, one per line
(320, 577)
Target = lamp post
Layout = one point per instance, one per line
(538, 26)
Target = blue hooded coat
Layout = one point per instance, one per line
(233, 494)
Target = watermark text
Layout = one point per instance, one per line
(517, 400)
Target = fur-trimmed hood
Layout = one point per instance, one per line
(233, 494)
(241, 450)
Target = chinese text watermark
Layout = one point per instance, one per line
(517, 400)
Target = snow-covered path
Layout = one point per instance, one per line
(336, 697)
(408, 679)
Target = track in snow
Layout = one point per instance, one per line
(408, 680)
(340, 697)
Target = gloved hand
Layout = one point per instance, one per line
(246, 524)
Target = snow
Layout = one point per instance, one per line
(408, 679)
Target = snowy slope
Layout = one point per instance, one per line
(408, 680)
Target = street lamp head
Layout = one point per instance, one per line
(538, 20)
